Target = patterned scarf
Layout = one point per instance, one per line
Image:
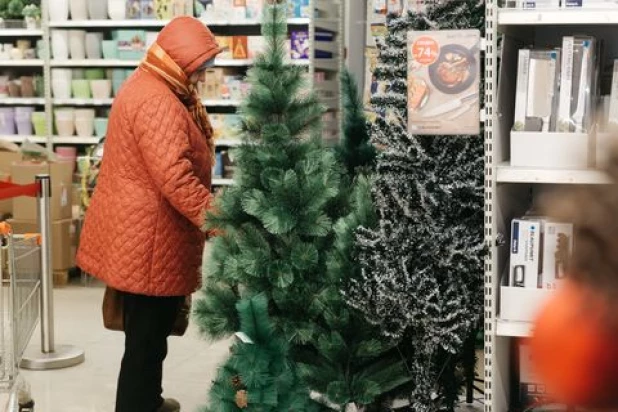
(158, 62)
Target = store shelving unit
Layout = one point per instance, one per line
(328, 16)
(510, 190)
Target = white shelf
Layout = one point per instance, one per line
(228, 142)
(579, 16)
(21, 33)
(75, 140)
(220, 103)
(95, 63)
(21, 101)
(161, 23)
(21, 63)
(513, 329)
(20, 138)
(83, 102)
(508, 174)
(222, 182)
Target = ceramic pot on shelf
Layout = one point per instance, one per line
(81, 89)
(93, 45)
(84, 127)
(4, 86)
(97, 9)
(65, 122)
(39, 120)
(79, 9)
(27, 86)
(61, 83)
(7, 121)
(14, 89)
(23, 121)
(116, 9)
(101, 89)
(110, 49)
(100, 126)
(77, 44)
(60, 44)
(59, 11)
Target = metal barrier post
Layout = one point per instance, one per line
(50, 355)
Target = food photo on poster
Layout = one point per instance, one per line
(443, 82)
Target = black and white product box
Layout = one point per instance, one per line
(532, 4)
(557, 250)
(589, 3)
(531, 390)
(525, 266)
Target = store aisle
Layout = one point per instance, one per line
(91, 387)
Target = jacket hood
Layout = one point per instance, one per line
(189, 42)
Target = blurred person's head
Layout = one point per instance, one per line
(575, 342)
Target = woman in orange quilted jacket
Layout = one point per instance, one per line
(142, 232)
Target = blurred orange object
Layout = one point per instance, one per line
(575, 347)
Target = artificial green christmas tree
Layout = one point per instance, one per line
(278, 237)
(258, 375)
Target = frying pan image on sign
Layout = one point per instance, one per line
(455, 70)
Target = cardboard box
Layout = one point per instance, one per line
(62, 255)
(557, 250)
(25, 208)
(6, 161)
(525, 261)
(240, 47)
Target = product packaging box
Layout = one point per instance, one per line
(254, 9)
(521, 93)
(7, 158)
(239, 11)
(590, 3)
(131, 44)
(542, 91)
(225, 43)
(531, 390)
(525, 263)
(298, 8)
(134, 9)
(557, 250)
(578, 84)
(300, 45)
(61, 173)
(257, 45)
(164, 9)
(533, 4)
(148, 9)
(240, 48)
(61, 242)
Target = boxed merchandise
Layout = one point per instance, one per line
(525, 264)
(134, 9)
(300, 45)
(7, 158)
(225, 43)
(256, 45)
(148, 9)
(578, 84)
(299, 8)
(521, 93)
(131, 44)
(164, 9)
(62, 255)
(590, 3)
(557, 249)
(61, 173)
(240, 47)
(542, 93)
(531, 390)
(254, 9)
(239, 11)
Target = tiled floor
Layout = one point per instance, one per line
(90, 387)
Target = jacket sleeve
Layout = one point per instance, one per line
(161, 131)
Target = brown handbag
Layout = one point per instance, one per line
(113, 313)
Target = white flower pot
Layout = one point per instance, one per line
(117, 9)
(84, 127)
(59, 11)
(97, 9)
(101, 89)
(79, 9)
(60, 44)
(61, 89)
(77, 44)
(65, 122)
(93, 45)
(31, 23)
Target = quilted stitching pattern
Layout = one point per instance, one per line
(141, 233)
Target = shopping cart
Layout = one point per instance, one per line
(20, 294)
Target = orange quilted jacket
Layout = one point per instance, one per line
(142, 231)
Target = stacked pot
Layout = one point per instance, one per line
(71, 121)
(16, 120)
(79, 10)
